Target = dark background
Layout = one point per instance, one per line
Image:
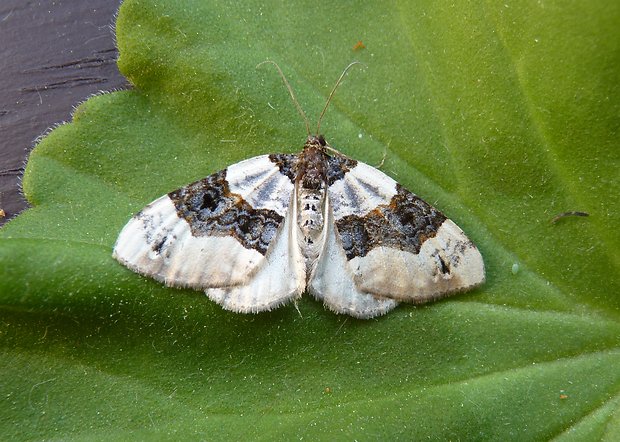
(53, 55)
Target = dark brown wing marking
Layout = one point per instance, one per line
(286, 163)
(211, 209)
(404, 224)
(337, 167)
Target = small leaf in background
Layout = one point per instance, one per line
(503, 116)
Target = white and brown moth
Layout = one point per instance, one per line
(263, 231)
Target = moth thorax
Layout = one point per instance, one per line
(310, 217)
(312, 166)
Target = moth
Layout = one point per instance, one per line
(264, 231)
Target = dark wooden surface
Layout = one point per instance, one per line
(53, 55)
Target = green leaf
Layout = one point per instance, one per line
(502, 115)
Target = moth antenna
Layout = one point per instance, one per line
(290, 91)
(331, 94)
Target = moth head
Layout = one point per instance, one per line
(316, 142)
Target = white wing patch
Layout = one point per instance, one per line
(260, 184)
(446, 263)
(361, 190)
(157, 243)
